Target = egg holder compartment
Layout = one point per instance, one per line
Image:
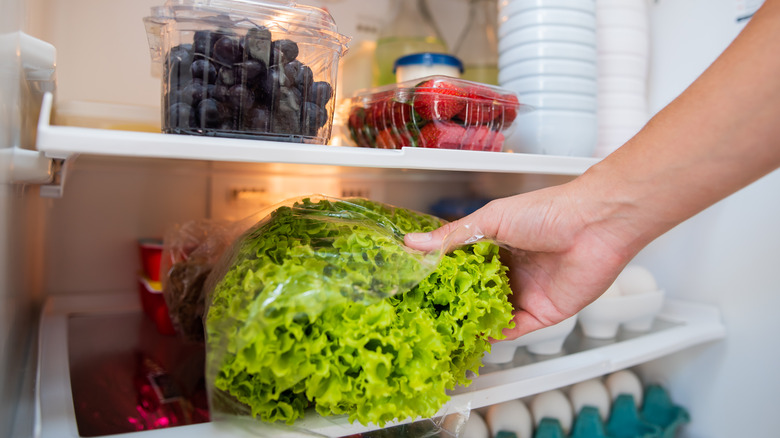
(545, 341)
(658, 418)
(636, 312)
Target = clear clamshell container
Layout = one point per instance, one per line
(433, 112)
(246, 69)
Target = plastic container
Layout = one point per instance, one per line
(546, 341)
(433, 112)
(153, 305)
(246, 69)
(151, 255)
(420, 65)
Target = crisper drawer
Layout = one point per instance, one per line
(103, 365)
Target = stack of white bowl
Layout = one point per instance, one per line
(548, 56)
(623, 53)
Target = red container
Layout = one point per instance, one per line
(433, 112)
(153, 304)
(151, 255)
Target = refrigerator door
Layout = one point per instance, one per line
(26, 69)
(726, 255)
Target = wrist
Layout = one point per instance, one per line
(618, 209)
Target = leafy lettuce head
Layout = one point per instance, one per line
(320, 305)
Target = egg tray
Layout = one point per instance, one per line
(659, 417)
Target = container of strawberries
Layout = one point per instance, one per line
(438, 112)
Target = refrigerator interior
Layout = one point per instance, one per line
(83, 243)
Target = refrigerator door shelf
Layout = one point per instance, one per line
(679, 325)
(64, 142)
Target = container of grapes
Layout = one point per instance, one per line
(246, 69)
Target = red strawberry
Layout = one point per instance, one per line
(480, 107)
(511, 105)
(359, 131)
(482, 138)
(435, 99)
(442, 135)
(386, 140)
(375, 115)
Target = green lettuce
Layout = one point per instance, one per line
(321, 305)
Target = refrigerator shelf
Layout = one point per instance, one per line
(115, 322)
(63, 142)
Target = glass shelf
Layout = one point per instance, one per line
(118, 331)
(63, 142)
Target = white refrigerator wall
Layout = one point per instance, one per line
(727, 255)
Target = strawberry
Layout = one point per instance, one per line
(360, 133)
(438, 100)
(480, 107)
(375, 118)
(482, 138)
(442, 135)
(510, 105)
(386, 140)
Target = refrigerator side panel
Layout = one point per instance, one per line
(20, 236)
(726, 255)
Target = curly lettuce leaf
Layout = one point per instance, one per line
(322, 306)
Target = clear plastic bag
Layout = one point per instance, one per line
(321, 307)
(190, 251)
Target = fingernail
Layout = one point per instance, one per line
(419, 237)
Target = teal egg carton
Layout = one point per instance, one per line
(659, 417)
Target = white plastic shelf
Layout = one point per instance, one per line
(63, 142)
(680, 325)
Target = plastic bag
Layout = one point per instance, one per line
(190, 251)
(320, 307)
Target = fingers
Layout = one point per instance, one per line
(525, 323)
(445, 238)
(463, 231)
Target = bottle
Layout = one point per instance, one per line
(477, 45)
(410, 30)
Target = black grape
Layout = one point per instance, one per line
(203, 69)
(208, 114)
(180, 115)
(314, 118)
(177, 63)
(257, 119)
(283, 51)
(251, 71)
(240, 97)
(321, 92)
(227, 51)
(257, 44)
(193, 92)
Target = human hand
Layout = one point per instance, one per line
(561, 256)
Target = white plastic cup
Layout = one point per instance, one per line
(623, 40)
(548, 50)
(615, 64)
(559, 101)
(549, 83)
(543, 66)
(554, 33)
(622, 84)
(514, 6)
(566, 17)
(554, 132)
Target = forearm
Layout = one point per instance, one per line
(718, 136)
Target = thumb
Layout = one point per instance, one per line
(449, 236)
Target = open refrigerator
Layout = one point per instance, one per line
(76, 197)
